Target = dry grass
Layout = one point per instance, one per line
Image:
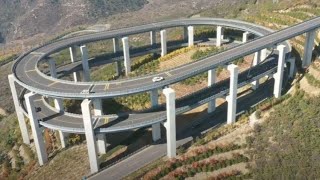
(70, 164)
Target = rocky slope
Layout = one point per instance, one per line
(24, 18)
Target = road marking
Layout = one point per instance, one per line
(37, 53)
(107, 86)
(31, 70)
(168, 74)
(53, 83)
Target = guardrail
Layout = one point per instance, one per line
(129, 31)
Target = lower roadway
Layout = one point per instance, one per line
(73, 123)
(156, 151)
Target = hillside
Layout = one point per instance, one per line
(23, 18)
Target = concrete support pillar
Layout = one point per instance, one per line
(19, 111)
(73, 57)
(85, 63)
(53, 69)
(63, 139)
(156, 128)
(245, 37)
(88, 127)
(232, 97)
(153, 38)
(308, 48)
(278, 76)
(58, 103)
(126, 55)
(256, 61)
(163, 34)
(211, 80)
(185, 33)
(190, 36)
(263, 54)
(292, 67)
(116, 49)
(219, 36)
(36, 130)
(170, 124)
(101, 138)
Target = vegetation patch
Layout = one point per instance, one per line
(286, 144)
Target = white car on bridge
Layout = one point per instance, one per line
(157, 79)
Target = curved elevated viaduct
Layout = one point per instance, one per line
(271, 50)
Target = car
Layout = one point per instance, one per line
(85, 91)
(157, 79)
(38, 109)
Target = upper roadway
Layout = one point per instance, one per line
(28, 75)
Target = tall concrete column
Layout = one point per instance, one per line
(170, 124)
(190, 36)
(163, 34)
(19, 111)
(58, 103)
(245, 37)
(116, 49)
(232, 97)
(211, 80)
(101, 138)
(85, 63)
(73, 57)
(278, 76)
(88, 127)
(308, 48)
(256, 61)
(292, 67)
(219, 36)
(36, 130)
(153, 38)
(156, 128)
(263, 54)
(185, 33)
(126, 55)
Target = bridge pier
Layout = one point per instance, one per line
(73, 57)
(156, 128)
(220, 36)
(153, 38)
(292, 66)
(88, 127)
(232, 97)
(190, 36)
(58, 103)
(126, 55)
(85, 63)
(256, 61)
(19, 111)
(263, 54)
(278, 76)
(308, 48)
(116, 49)
(245, 37)
(170, 124)
(185, 33)
(211, 80)
(36, 129)
(163, 34)
(100, 138)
